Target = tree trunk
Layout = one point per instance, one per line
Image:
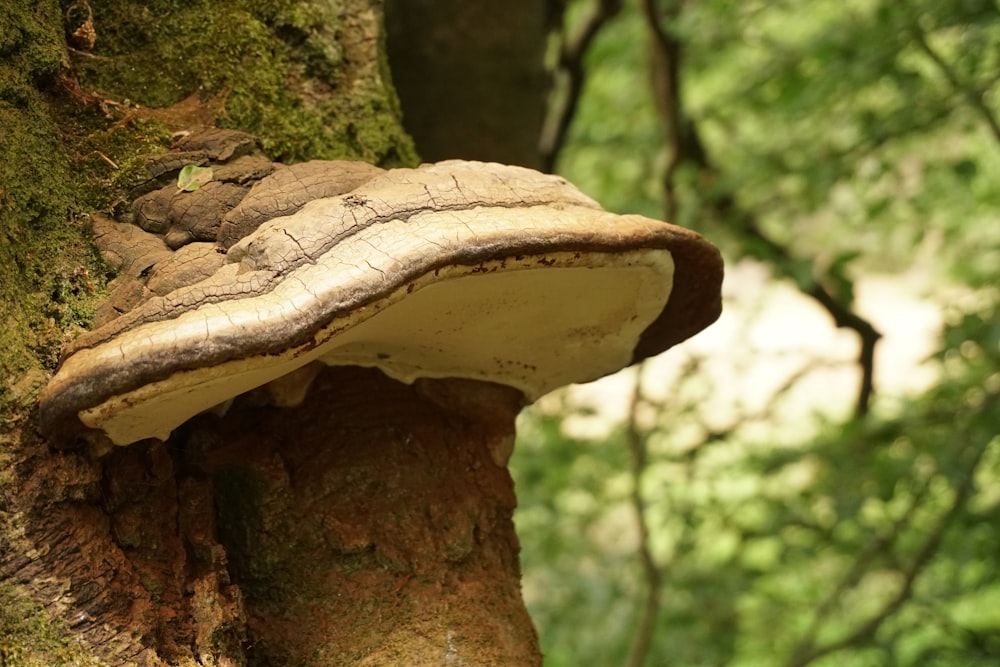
(471, 76)
(369, 526)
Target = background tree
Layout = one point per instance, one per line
(718, 523)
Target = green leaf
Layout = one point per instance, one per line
(193, 177)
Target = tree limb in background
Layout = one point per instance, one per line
(881, 544)
(638, 454)
(683, 142)
(928, 549)
(569, 76)
(686, 147)
(975, 97)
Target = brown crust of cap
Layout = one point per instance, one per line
(696, 299)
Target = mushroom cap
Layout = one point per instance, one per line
(289, 188)
(456, 269)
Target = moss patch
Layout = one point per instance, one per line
(58, 166)
(285, 68)
(38, 190)
(29, 639)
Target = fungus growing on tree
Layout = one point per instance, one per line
(457, 269)
(368, 515)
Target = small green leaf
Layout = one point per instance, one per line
(193, 177)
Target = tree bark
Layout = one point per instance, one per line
(471, 76)
(369, 526)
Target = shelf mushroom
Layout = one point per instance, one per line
(455, 269)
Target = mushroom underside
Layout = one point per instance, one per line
(530, 328)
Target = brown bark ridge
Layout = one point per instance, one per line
(372, 525)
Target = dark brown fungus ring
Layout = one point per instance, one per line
(456, 269)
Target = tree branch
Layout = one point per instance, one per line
(880, 544)
(928, 549)
(686, 146)
(570, 67)
(683, 143)
(973, 96)
(638, 452)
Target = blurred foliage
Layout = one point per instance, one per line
(863, 137)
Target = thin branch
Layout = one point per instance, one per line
(683, 143)
(570, 68)
(686, 146)
(880, 544)
(928, 549)
(976, 98)
(636, 438)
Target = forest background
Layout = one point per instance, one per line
(816, 479)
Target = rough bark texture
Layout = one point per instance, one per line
(372, 526)
(260, 539)
(369, 526)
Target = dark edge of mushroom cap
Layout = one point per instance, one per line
(696, 299)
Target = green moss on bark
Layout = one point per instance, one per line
(29, 639)
(290, 72)
(58, 166)
(38, 188)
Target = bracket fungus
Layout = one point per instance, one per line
(369, 337)
(456, 269)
